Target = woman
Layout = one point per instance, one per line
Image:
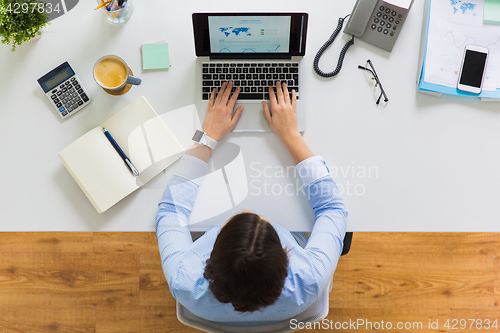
(247, 269)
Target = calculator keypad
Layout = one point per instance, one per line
(69, 97)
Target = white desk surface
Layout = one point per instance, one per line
(420, 163)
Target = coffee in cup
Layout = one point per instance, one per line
(112, 73)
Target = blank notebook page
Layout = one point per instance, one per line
(102, 174)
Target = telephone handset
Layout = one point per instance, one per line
(378, 22)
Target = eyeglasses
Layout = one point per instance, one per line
(378, 83)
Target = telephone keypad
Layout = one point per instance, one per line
(385, 19)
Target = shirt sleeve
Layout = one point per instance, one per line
(324, 246)
(172, 219)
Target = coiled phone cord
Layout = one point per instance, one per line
(326, 45)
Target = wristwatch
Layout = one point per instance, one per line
(202, 138)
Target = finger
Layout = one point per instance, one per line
(279, 92)
(212, 98)
(233, 99)
(221, 92)
(294, 98)
(286, 95)
(272, 98)
(267, 113)
(227, 92)
(237, 115)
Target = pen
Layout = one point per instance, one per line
(111, 5)
(121, 153)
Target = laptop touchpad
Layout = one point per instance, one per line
(252, 119)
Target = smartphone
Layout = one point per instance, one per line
(473, 68)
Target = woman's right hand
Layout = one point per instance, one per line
(283, 121)
(282, 118)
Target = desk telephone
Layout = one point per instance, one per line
(375, 22)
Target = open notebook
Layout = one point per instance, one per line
(99, 170)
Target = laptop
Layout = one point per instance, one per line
(254, 50)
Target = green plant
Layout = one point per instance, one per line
(21, 20)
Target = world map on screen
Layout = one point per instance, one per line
(463, 7)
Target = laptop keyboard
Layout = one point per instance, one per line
(253, 78)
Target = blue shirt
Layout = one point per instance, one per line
(310, 268)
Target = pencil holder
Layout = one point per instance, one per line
(117, 14)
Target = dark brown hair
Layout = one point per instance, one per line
(248, 265)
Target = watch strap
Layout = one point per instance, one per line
(202, 138)
(210, 142)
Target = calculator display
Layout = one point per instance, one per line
(56, 79)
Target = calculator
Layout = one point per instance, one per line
(64, 90)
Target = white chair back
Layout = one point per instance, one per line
(316, 312)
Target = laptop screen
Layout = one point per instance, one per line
(250, 35)
(257, 34)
